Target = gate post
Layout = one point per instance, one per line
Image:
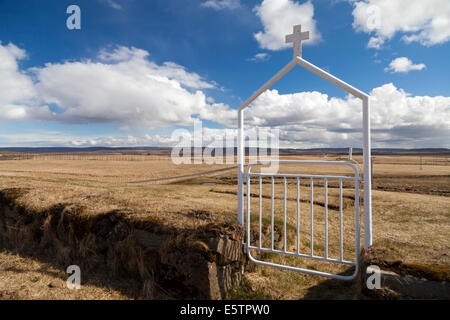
(241, 157)
(367, 175)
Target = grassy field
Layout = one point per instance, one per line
(411, 215)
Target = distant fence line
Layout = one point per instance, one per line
(91, 156)
(419, 161)
(85, 156)
(438, 161)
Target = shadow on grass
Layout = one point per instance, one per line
(101, 278)
(334, 289)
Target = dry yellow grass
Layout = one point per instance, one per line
(416, 225)
(25, 278)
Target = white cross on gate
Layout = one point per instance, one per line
(296, 38)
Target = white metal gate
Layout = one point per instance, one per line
(297, 37)
(355, 178)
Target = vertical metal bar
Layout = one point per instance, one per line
(260, 211)
(367, 175)
(240, 151)
(248, 210)
(357, 237)
(285, 235)
(326, 218)
(298, 215)
(312, 217)
(272, 209)
(341, 231)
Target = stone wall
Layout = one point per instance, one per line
(203, 263)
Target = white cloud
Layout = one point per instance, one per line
(310, 108)
(168, 69)
(115, 141)
(278, 17)
(61, 139)
(312, 119)
(221, 4)
(426, 22)
(403, 65)
(375, 43)
(122, 54)
(113, 4)
(17, 93)
(259, 57)
(14, 85)
(129, 90)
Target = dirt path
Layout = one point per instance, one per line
(185, 176)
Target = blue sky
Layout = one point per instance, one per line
(137, 70)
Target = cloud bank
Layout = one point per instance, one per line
(312, 119)
(123, 86)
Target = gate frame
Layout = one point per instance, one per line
(356, 178)
(298, 60)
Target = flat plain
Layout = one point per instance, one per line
(411, 215)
